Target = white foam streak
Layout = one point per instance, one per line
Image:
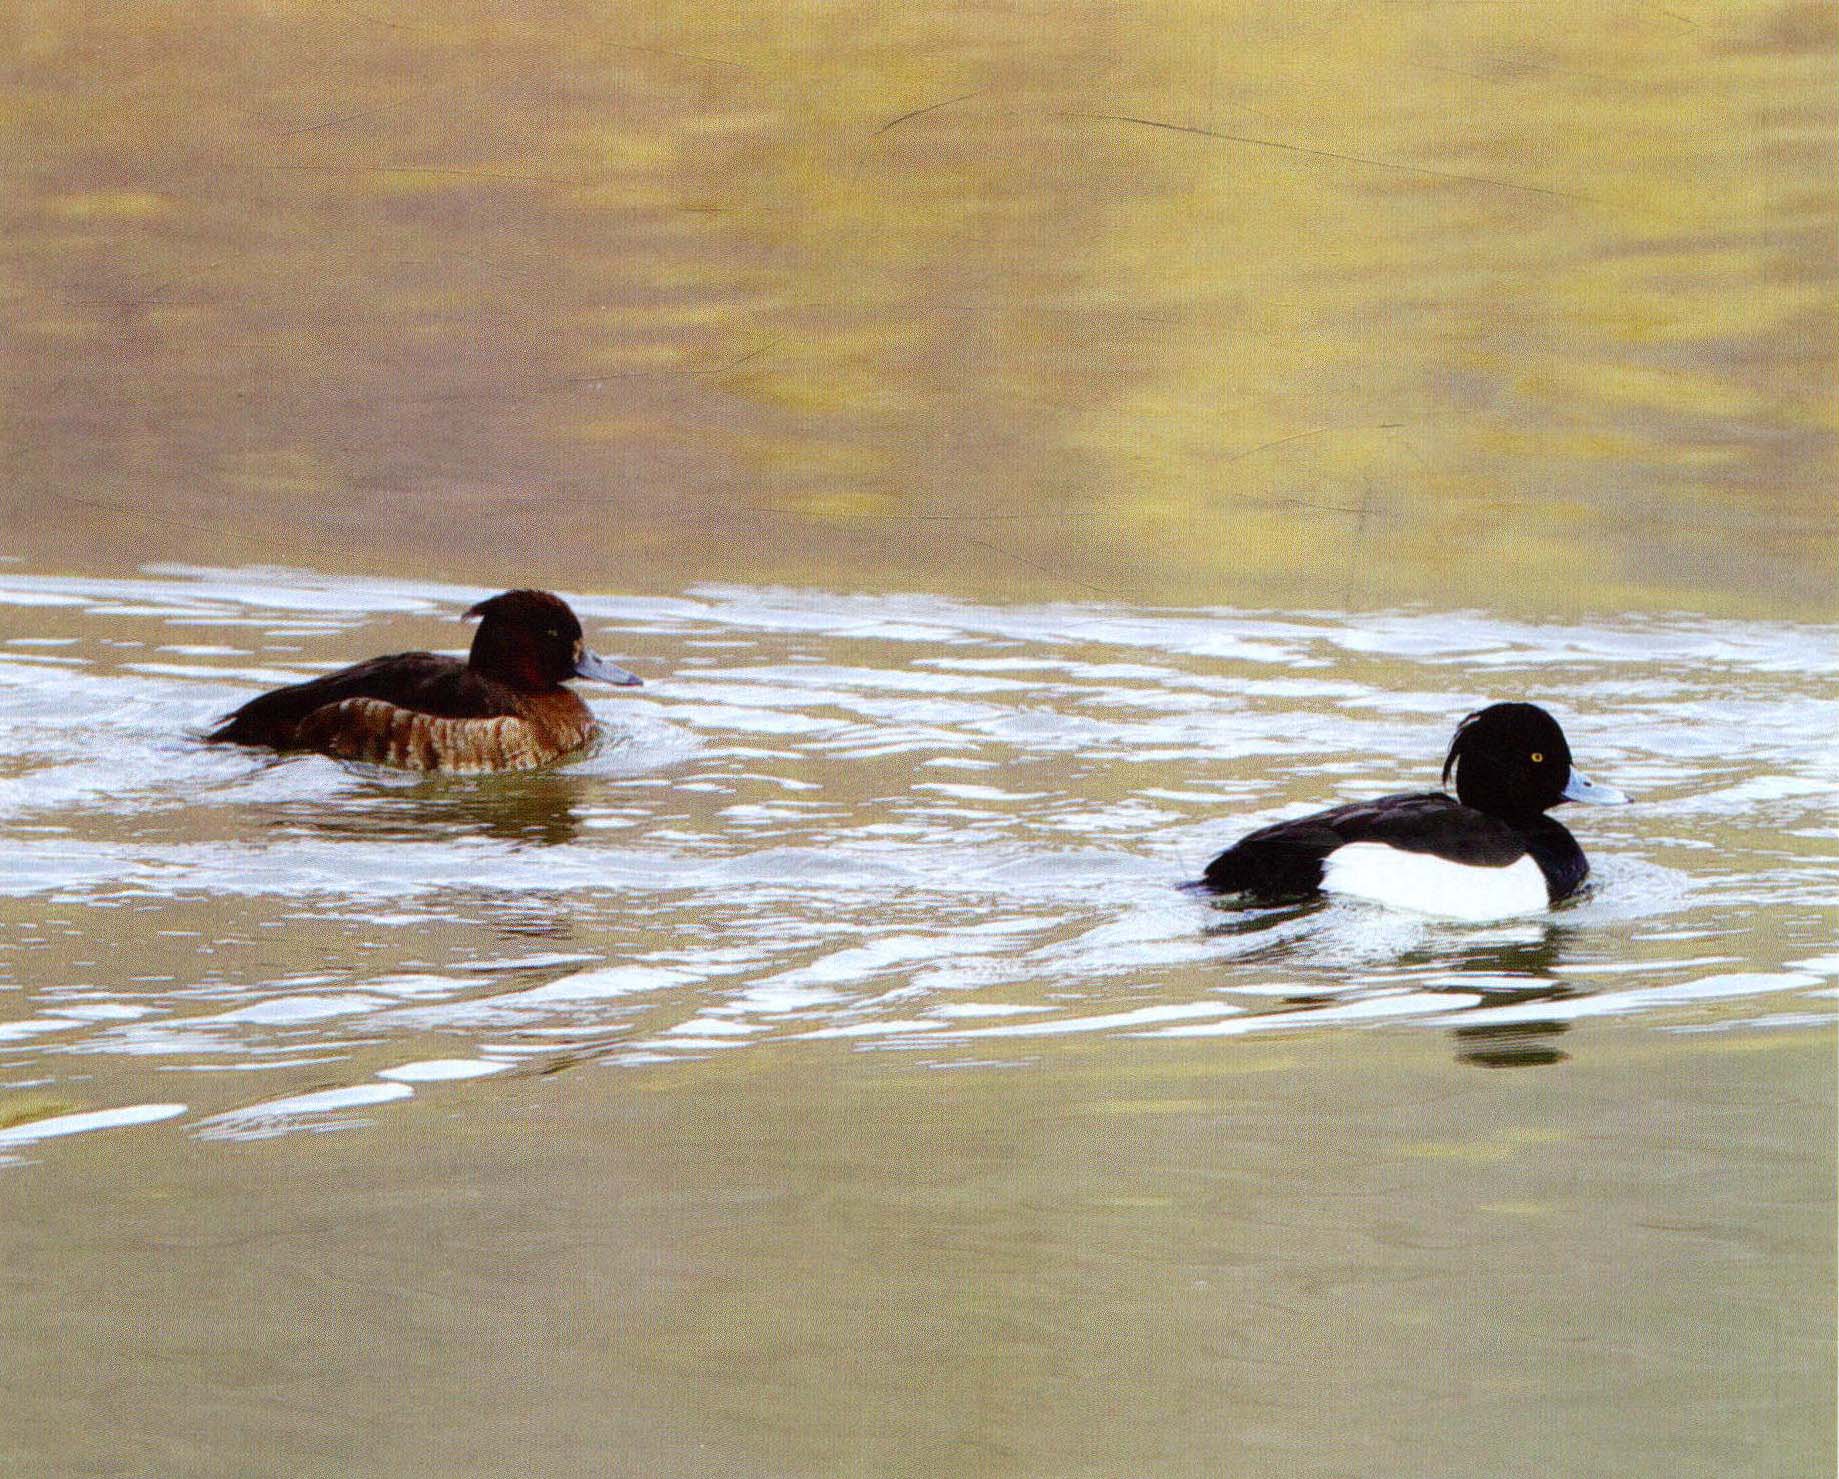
(57, 1125)
(443, 1070)
(277, 1116)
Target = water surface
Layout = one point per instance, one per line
(1529, 305)
(827, 1076)
(856, 957)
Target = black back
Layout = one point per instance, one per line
(1285, 860)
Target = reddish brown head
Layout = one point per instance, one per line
(532, 641)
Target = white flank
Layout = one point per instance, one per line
(1434, 885)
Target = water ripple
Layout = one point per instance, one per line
(862, 822)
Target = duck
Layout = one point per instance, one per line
(505, 708)
(1488, 852)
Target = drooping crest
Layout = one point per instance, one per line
(1455, 748)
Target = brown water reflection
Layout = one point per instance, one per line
(1521, 304)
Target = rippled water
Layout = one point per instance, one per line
(842, 1019)
(828, 1076)
(846, 823)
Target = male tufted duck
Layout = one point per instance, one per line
(504, 708)
(1486, 853)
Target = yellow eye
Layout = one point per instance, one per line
(1538, 759)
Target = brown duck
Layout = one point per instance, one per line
(504, 708)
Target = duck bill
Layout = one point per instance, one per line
(590, 665)
(1581, 788)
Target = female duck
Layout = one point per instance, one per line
(1486, 853)
(504, 708)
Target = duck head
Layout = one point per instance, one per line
(532, 641)
(1512, 761)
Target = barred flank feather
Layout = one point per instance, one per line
(383, 733)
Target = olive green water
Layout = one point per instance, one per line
(855, 1093)
(1314, 304)
(1319, 1258)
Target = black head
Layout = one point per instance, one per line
(532, 641)
(1510, 760)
